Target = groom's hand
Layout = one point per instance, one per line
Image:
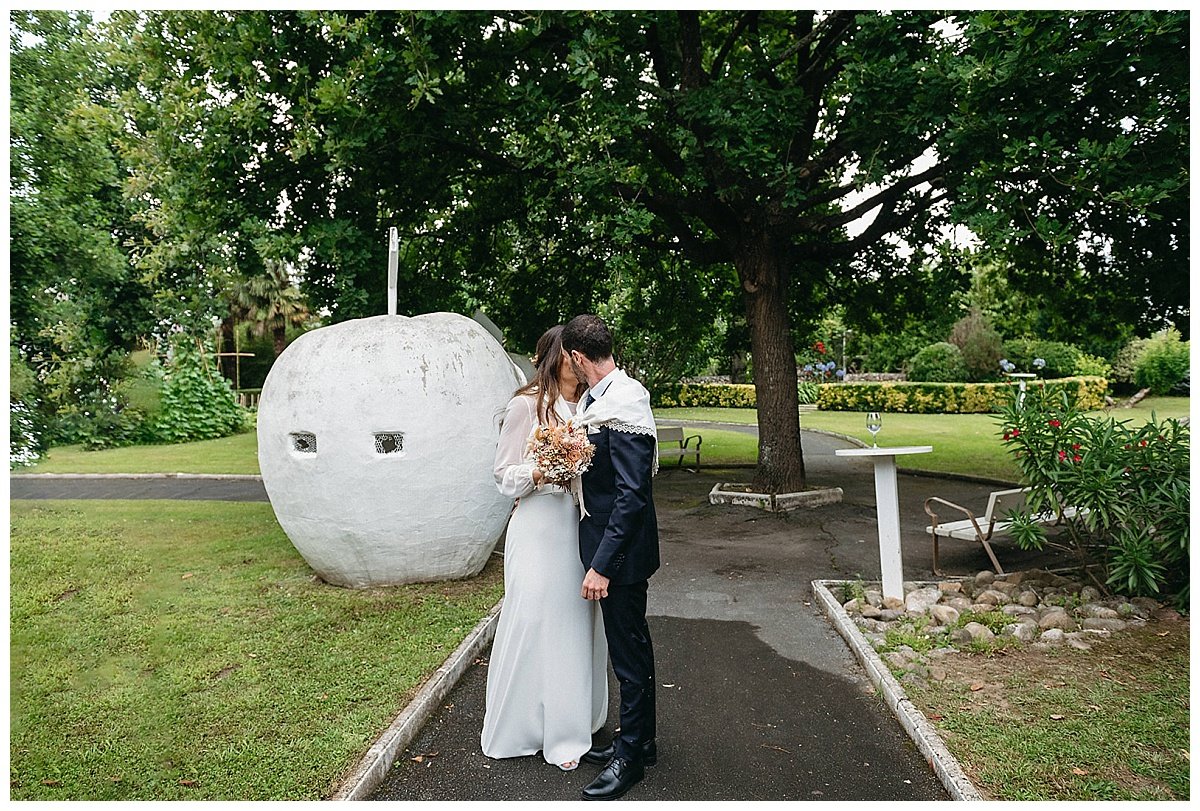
(595, 585)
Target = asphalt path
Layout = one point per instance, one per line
(36, 487)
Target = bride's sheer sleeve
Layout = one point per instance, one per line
(513, 472)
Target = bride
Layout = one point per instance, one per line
(547, 687)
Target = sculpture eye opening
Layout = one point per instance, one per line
(390, 442)
(304, 442)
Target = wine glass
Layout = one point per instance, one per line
(874, 423)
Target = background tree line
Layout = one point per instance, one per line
(714, 183)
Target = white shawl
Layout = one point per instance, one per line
(624, 406)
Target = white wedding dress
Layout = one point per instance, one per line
(547, 687)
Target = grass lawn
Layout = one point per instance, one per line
(962, 443)
(183, 650)
(1107, 724)
(231, 454)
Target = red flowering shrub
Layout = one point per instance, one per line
(1130, 485)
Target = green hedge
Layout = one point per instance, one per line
(1087, 394)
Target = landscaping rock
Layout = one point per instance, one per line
(1045, 611)
(1018, 610)
(1146, 604)
(1021, 631)
(961, 636)
(992, 597)
(1104, 624)
(920, 600)
(978, 631)
(943, 614)
(1053, 637)
(1005, 588)
(959, 604)
(1057, 619)
(1097, 611)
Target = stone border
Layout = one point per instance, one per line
(252, 477)
(772, 502)
(918, 727)
(373, 767)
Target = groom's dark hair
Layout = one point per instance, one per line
(587, 334)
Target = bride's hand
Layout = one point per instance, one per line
(538, 477)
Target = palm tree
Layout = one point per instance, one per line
(270, 302)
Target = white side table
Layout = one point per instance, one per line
(887, 511)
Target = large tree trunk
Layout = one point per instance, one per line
(279, 332)
(764, 276)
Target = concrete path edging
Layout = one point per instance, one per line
(373, 767)
(249, 477)
(923, 733)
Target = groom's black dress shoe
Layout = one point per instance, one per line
(614, 780)
(603, 754)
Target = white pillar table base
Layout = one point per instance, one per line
(887, 511)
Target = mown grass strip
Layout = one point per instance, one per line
(184, 650)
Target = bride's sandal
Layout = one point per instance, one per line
(569, 766)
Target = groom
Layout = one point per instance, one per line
(618, 543)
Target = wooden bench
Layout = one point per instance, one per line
(673, 445)
(990, 525)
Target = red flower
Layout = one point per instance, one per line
(1142, 443)
(1016, 432)
(1062, 455)
(820, 347)
(1055, 424)
(1077, 458)
(1075, 446)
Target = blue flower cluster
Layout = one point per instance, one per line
(1008, 366)
(824, 370)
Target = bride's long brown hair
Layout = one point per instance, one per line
(545, 383)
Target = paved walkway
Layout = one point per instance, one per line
(759, 699)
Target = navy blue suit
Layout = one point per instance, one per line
(619, 539)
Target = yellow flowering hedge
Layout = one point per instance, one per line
(704, 395)
(1087, 394)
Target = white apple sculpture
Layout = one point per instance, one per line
(376, 441)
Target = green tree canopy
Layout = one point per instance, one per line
(535, 161)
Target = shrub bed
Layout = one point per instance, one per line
(1087, 393)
